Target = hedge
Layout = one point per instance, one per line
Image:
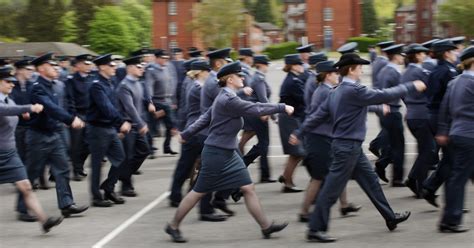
(364, 42)
(278, 51)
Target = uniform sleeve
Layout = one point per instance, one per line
(13, 110)
(260, 90)
(365, 96)
(99, 96)
(318, 116)
(238, 107)
(297, 92)
(444, 118)
(38, 95)
(125, 97)
(434, 82)
(150, 81)
(201, 123)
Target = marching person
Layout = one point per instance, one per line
(430, 61)
(12, 169)
(311, 83)
(222, 167)
(246, 60)
(346, 107)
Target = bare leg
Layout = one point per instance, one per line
(246, 136)
(311, 193)
(185, 206)
(253, 206)
(290, 169)
(31, 201)
(343, 199)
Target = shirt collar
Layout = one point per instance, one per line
(328, 85)
(131, 78)
(416, 65)
(468, 72)
(229, 90)
(394, 66)
(349, 80)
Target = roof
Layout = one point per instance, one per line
(15, 50)
(266, 26)
(406, 8)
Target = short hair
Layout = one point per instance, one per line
(213, 63)
(411, 58)
(344, 70)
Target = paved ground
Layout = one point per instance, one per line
(140, 222)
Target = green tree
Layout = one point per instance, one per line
(218, 29)
(459, 14)
(35, 22)
(8, 20)
(141, 21)
(369, 17)
(110, 31)
(263, 11)
(68, 27)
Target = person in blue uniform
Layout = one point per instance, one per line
(305, 52)
(372, 53)
(63, 66)
(346, 108)
(45, 143)
(77, 102)
(458, 41)
(291, 93)
(182, 103)
(222, 167)
(104, 120)
(456, 119)
(318, 143)
(12, 169)
(392, 122)
(246, 60)
(430, 62)
(311, 83)
(417, 118)
(445, 71)
(194, 52)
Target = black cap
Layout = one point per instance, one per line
(200, 65)
(187, 63)
(232, 68)
(385, 44)
(458, 40)
(348, 48)
(394, 49)
(195, 54)
(293, 59)
(351, 59)
(219, 54)
(176, 50)
(245, 52)
(62, 58)
(24, 63)
(7, 74)
(415, 48)
(325, 66)
(160, 53)
(261, 59)
(47, 58)
(429, 43)
(103, 59)
(467, 53)
(443, 45)
(305, 49)
(135, 60)
(86, 58)
(142, 51)
(317, 57)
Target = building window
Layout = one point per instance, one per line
(327, 13)
(173, 44)
(425, 14)
(172, 28)
(172, 8)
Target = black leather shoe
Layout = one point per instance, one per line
(151, 157)
(51, 222)
(114, 198)
(374, 151)
(413, 186)
(281, 179)
(102, 203)
(236, 196)
(398, 184)
(399, 217)
(73, 209)
(129, 193)
(381, 173)
(291, 189)
(221, 205)
(213, 217)
(303, 218)
(137, 172)
(319, 237)
(175, 234)
(273, 228)
(82, 173)
(430, 197)
(169, 151)
(26, 217)
(77, 178)
(174, 204)
(350, 208)
(445, 228)
(466, 210)
(267, 180)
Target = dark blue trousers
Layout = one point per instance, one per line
(393, 125)
(462, 169)
(168, 120)
(21, 142)
(79, 148)
(381, 143)
(136, 149)
(261, 148)
(104, 141)
(348, 161)
(426, 145)
(48, 148)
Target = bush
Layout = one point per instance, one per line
(279, 51)
(364, 42)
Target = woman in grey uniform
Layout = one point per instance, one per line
(221, 166)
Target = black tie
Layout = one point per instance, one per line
(6, 100)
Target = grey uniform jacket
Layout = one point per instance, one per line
(8, 121)
(309, 88)
(389, 77)
(319, 96)
(131, 101)
(379, 63)
(416, 102)
(161, 83)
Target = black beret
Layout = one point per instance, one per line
(232, 68)
(305, 49)
(86, 58)
(415, 48)
(245, 52)
(467, 53)
(394, 49)
(43, 59)
(325, 66)
(317, 57)
(385, 44)
(348, 48)
(219, 54)
(351, 59)
(22, 63)
(187, 63)
(429, 43)
(458, 40)
(161, 54)
(443, 45)
(103, 59)
(293, 59)
(200, 65)
(261, 59)
(135, 60)
(7, 74)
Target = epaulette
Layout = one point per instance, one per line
(35, 83)
(95, 81)
(70, 77)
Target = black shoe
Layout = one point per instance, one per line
(174, 204)
(102, 203)
(51, 222)
(466, 210)
(281, 179)
(77, 178)
(26, 217)
(221, 205)
(303, 218)
(349, 209)
(445, 228)
(213, 217)
(267, 180)
(137, 172)
(175, 234)
(413, 186)
(154, 148)
(114, 198)
(82, 173)
(35, 186)
(151, 157)
(375, 151)
(273, 228)
(236, 196)
(291, 189)
(399, 217)
(169, 151)
(129, 193)
(430, 197)
(380, 173)
(398, 184)
(319, 237)
(73, 209)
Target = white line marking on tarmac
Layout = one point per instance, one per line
(130, 221)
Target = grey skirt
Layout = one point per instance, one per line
(221, 169)
(11, 167)
(287, 124)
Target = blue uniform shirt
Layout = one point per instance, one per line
(77, 93)
(103, 104)
(292, 93)
(389, 77)
(416, 102)
(21, 95)
(309, 88)
(438, 83)
(379, 63)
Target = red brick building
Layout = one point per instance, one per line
(405, 29)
